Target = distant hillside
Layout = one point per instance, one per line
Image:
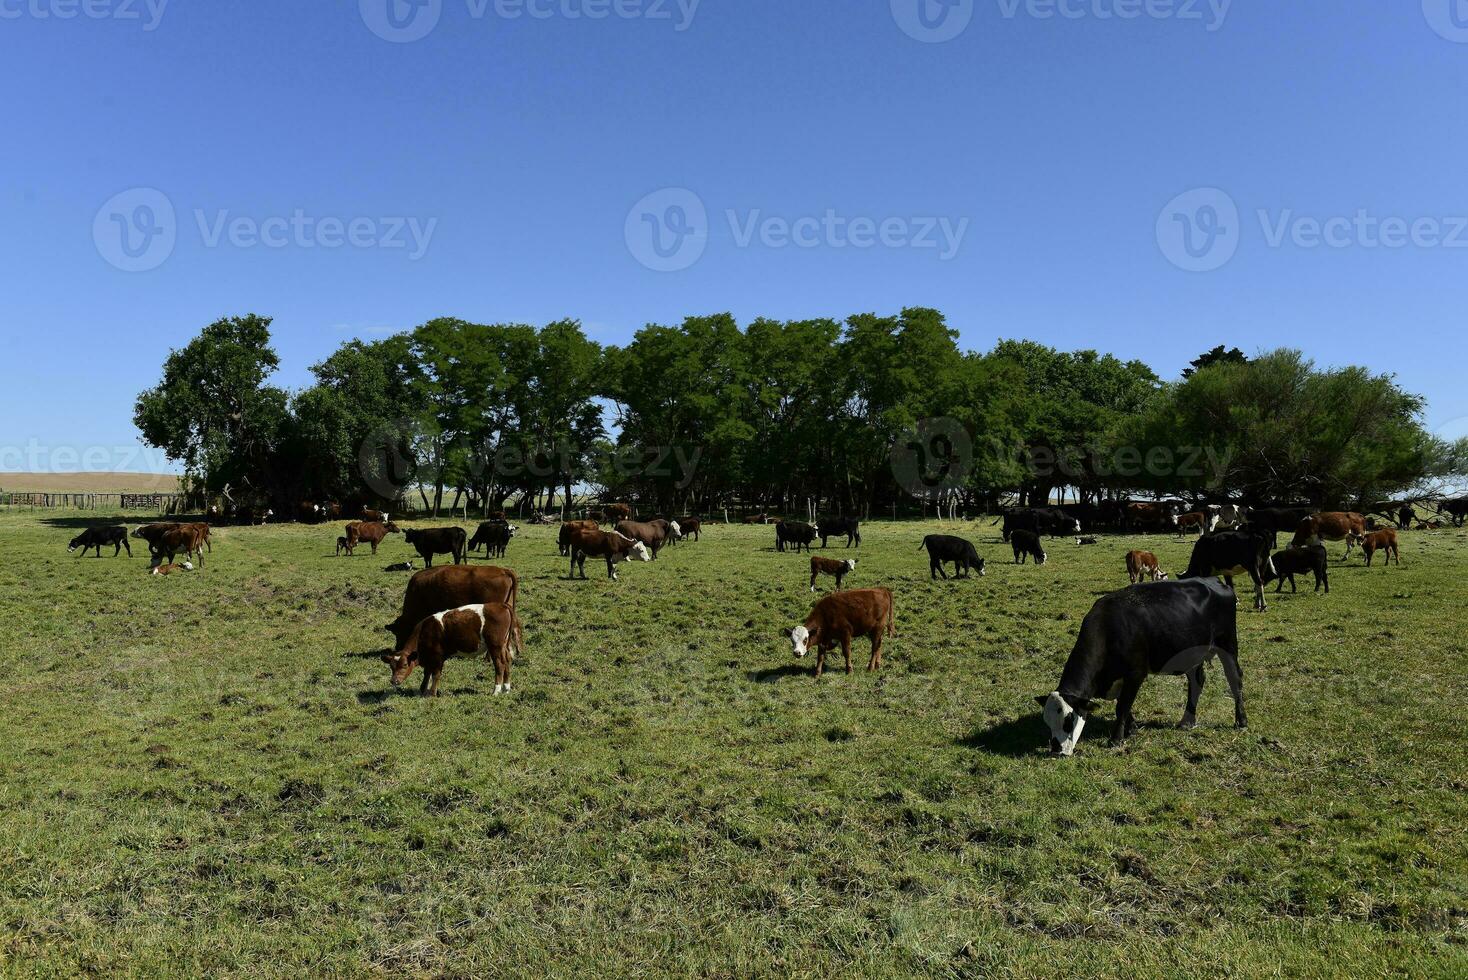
(89, 482)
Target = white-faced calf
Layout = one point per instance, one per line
(491, 629)
(839, 617)
(830, 566)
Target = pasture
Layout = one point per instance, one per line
(209, 773)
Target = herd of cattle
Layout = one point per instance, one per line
(1158, 625)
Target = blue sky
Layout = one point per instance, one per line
(1041, 174)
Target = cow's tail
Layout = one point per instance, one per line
(923, 543)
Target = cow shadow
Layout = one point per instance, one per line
(1027, 735)
(779, 673)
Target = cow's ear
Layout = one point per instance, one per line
(1042, 699)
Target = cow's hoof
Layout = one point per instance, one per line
(1188, 724)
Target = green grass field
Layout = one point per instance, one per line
(210, 774)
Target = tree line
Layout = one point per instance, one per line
(863, 416)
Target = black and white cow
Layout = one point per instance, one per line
(943, 548)
(1230, 553)
(493, 537)
(795, 535)
(1168, 628)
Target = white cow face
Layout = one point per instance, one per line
(816, 528)
(799, 638)
(675, 529)
(640, 551)
(1043, 556)
(1078, 527)
(1065, 722)
(850, 564)
(513, 529)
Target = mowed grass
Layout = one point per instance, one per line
(210, 774)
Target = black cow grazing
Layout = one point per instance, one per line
(834, 527)
(1273, 520)
(493, 537)
(943, 548)
(1027, 545)
(1230, 553)
(1297, 561)
(795, 534)
(96, 537)
(1170, 628)
(430, 541)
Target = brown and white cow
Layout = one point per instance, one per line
(490, 629)
(655, 534)
(692, 527)
(839, 617)
(185, 539)
(1331, 526)
(169, 569)
(1143, 565)
(837, 569)
(1150, 517)
(448, 587)
(1383, 541)
(375, 516)
(610, 545)
(563, 541)
(1195, 523)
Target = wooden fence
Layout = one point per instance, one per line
(163, 503)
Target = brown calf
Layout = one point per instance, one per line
(840, 616)
(614, 547)
(491, 629)
(830, 566)
(1383, 541)
(182, 566)
(371, 532)
(1194, 523)
(1143, 564)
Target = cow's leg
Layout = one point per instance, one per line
(1235, 676)
(1123, 725)
(1190, 708)
(813, 582)
(1259, 602)
(846, 650)
(433, 688)
(876, 662)
(423, 684)
(128, 547)
(820, 658)
(935, 568)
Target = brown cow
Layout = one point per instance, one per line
(610, 545)
(840, 616)
(185, 539)
(1143, 564)
(372, 532)
(654, 534)
(1194, 523)
(1149, 517)
(564, 540)
(375, 516)
(1383, 541)
(1331, 526)
(692, 527)
(182, 566)
(434, 590)
(489, 628)
(830, 566)
(612, 513)
(760, 519)
(152, 532)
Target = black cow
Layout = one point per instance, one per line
(1229, 553)
(944, 548)
(430, 541)
(493, 537)
(1297, 561)
(96, 537)
(1457, 509)
(1027, 545)
(1040, 520)
(796, 534)
(1170, 628)
(1273, 520)
(837, 526)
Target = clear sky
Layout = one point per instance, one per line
(356, 167)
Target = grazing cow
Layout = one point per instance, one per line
(943, 548)
(185, 539)
(151, 533)
(836, 526)
(494, 537)
(1297, 561)
(1383, 541)
(830, 566)
(491, 629)
(96, 537)
(1150, 517)
(375, 516)
(692, 527)
(1143, 564)
(564, 540)
(610, 545)
(170, 568)
(448, 587)
(371, 532)
(1230, 553)
(430, 541)
(1275, 520)
(1457, 508)
(613, 513)
(839, 617)
(1331, 526)
(654, 534)
(1195, 523)
(1169, 628)
(1026, 546)
(795, 534)
(1406, 516)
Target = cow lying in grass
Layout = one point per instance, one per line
(491, 629)
(830, 566)
(169, 569)
(840, 616)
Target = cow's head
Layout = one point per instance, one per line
(1065, 717)
(1077, 524)
(850, 564)
(1161, 575)
(799, 640)
(675, 530)
(511, 530)
(1214, 520)
(392, 528)
(76, 543)
(401, 663)
(980, 567)
(1040, 559)
(638, 551)
(1172, 520)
